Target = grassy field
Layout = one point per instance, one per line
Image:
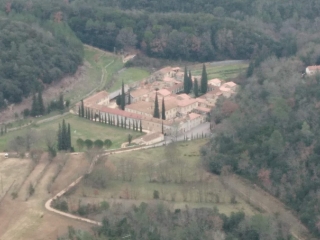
(225, 72)
(175, 173)
(81, 128)
(129, 75)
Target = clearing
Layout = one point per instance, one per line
(28, 220)
(225, 70)
(175, 173)
(80, 127)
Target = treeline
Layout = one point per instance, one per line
(159, 222)
(270, 134)
(33, 55)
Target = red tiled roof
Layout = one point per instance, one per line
(314, 67)
(194, 116)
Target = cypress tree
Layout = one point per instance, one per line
(140, 126)
(163, 113)
(129, 98)
(185, 81)
(204, 80)
(69, 136)
(59, 138)
(61, 102)
(123, 97)
(40, 103)
(156, 113)
(95, 116)
(118, 100)
(190, 81)
(34, 107)
(196, 88)
(64, 136)
(79, 111)
(82, 109)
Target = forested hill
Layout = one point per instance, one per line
(270, 133)
(31, 55)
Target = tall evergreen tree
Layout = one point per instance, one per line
(156, 113)
(59, 138)
(140, 126)
(162, 130)
(34, 107)
(40, 103)
(123, 97)
(118, 100)
(190, 81)
(129, 98)
(61, 102)
(196, 88)
(204, 80)
(64, 136)
(79, 111)
(186, 81)
(82, 108)
(163, 113)
(69, 137)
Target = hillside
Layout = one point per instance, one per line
(270, 134)
(31, 56)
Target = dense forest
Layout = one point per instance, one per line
(187, 30)
(32, 55)
(158, 222)
(270, 133)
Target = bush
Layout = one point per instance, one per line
(156, 194)
(31, 189)
(107, 143)
(88, 143)
(97, 179)
(98, 144)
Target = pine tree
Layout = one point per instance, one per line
(204, 80)
(140, 126)
(123, 97)
(82, 109)
(186, 81)
(79, 111)
(34, 107)
(64, 136)
(163, 113)
(196, 88)
(156, 113)
(40, 103)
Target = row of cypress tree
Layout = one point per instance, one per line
(108, 119)
(64, 136)
(187, 82)
(156, 112)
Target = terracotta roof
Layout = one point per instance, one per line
(230, 84)
(176, 69)
(164, 92)
(193, 116)
(183, 96)
(142, 106)
(117, 111)
(151, 136)
(139, 92)
(186, 102)
(314, 67)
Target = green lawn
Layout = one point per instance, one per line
(198, 188)
(80, 127)
(129, 75)
(226, 72)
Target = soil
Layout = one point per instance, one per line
(20, 219)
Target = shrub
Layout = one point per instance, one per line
(98, 144)
(88, 143)
(156, 194)
(107, 143)
(97, 179)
